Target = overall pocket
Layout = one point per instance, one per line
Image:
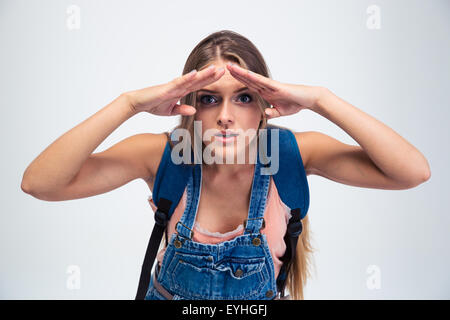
(191, 275)
(197, 277)
(240, 278)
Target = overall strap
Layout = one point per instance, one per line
(292, 186)
(185, 226)
(170, 182)
(258, 197)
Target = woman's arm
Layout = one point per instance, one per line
(383, 158)
(59, 163)
(67, 169)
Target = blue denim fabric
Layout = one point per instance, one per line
(241, 268)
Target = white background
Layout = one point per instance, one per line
(53, 78)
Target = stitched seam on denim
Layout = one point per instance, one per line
(188, 207)
(271, 264)
(167, 255)
(252, 227)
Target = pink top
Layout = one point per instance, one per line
(276, 215)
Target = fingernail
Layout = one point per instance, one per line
(193, 71)
(220, 69)
(211, 66)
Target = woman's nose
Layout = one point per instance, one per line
(225, 115)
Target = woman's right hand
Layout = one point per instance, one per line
(163, 99)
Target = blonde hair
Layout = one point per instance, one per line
(230, 46)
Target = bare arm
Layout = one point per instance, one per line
(61, 161)
(383, 159)
(67, 169)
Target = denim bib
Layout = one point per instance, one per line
(241, 268)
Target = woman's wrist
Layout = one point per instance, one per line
(127, 98)
(322, 94)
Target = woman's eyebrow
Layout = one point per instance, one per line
(212, 91)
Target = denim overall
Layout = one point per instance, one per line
(241, 268)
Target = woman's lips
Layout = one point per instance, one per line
(226, 138)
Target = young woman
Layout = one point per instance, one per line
(226, 86)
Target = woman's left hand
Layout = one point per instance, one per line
(286, 99)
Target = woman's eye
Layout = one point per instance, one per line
(208, 99)
(247, 100)
(205, 99)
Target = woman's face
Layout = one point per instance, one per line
(228, 105)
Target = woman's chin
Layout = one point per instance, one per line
(228, 150)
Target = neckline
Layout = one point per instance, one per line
(217, 234)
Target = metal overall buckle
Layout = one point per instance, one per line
(179, 240)
(256, 241)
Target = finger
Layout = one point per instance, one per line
(183, 83)
(208, 80)
(272, 113)
(243, 79)
(250, 85)
(186, 78)
(259, 80)
(206, 75)
(183, 109)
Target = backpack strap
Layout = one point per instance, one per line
(292, 186)
(170, 182)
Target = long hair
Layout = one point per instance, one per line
(230, 46)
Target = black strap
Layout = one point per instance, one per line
(161, 220)
(294, 229)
